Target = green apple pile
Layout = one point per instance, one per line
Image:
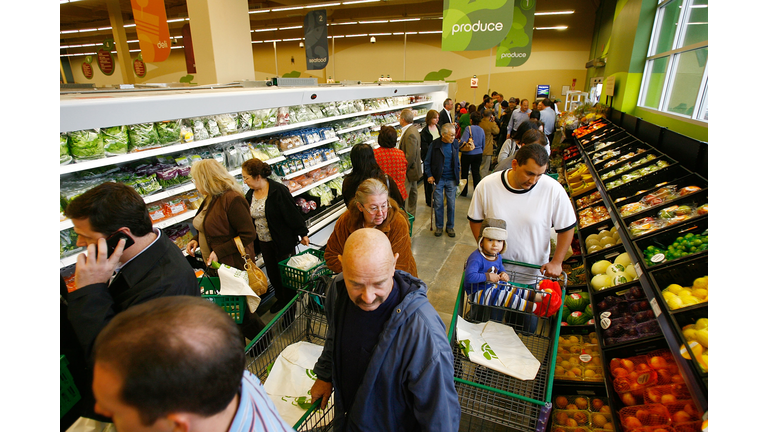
(606, 274)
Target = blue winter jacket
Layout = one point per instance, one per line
(408, 385)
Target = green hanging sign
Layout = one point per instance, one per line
(472, 25)
(515, 49)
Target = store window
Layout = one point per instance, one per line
(675, 76)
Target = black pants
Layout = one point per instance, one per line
(272, 257)
(472, 162)
(428, 187)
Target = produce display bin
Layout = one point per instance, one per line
(296, 278)
(234, 306)
(69, 393)
(299, 320)
(493, 401)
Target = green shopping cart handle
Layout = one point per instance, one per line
(315, 406)
(521, 264)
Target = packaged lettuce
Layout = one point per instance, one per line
(115, 140)
(187, 134)
(168, 132)
(212, 126)
(86, 144)
(244, 121)
(143, 137)
(148, 184)
(227, 123)
(64, 156)
(199, 131)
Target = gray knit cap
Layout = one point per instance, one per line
(495, 229)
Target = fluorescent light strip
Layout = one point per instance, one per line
(287, 8)
(356, 35)
(373, 22)
(258, 11)
(322, 5)
(87, 30)
(358, 2)
(554, 13)
(178, 20)
(264, 30)
(290, 28)
(292, 39)
(345, 23)
(129, 25)
(104, 28)
(404, 20)
(551, 28)
(430, 32)
(380, 34)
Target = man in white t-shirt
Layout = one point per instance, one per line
(531, 203)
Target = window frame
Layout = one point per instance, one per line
(671, 68)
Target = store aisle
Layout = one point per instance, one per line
(440, 260)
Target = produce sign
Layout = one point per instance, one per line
(87, 69)
(472, 25)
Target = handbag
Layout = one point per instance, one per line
(470, 144)
(256, 278)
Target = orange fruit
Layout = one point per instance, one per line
(561, 402)
(668, 399)
(632, 422)
(658, 362)
(619, 372)
(597, 404)
(599, 420)
(581, 403)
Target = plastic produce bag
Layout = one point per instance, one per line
(115, 140)
(496, 346)
(291, 378)
(64, 156)
(143, 136)
(303, 262)
(227, 123)
(234, 282)
(168, 132)
(244, 121)
(199, 131)
(212, 126)
(86, 144)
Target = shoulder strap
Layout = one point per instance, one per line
(239, 244)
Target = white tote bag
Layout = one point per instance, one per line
(234, 282)
(497, 347)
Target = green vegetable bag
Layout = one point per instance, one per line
(115, 140)
(64, 156)
(143, 136)
(86, 145)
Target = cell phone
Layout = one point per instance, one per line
(113, 239)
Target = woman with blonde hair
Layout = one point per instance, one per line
(372, 208)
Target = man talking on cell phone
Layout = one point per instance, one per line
(144, 265)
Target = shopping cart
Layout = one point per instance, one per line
(302, 319)
(491, 401)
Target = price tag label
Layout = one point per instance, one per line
(585, 358)
(658, 258)
(605, 314)
(605, 323)
(638, 270)
(655, 307)
(644, 378)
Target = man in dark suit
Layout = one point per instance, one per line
(410, 144)
(445, 114)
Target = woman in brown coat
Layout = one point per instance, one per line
(223, 215)
(372, 208)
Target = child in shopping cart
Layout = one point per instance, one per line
(484, 278)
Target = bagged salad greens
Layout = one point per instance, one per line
(264, 118)
(86, 144)
(115, 140)
(244, 121)
(168, 132)
(227, 123)
(64, 156)
(143, 136)
(186, 132)
(199, 131)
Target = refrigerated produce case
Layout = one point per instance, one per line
(657, 207)
(369, 106)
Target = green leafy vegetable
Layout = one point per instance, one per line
(64, 156)
(168, 132)
(115, 140)
(86, 144)
(143, 136)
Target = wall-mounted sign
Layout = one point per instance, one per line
(87, 68)
(104, 56)
(152, 29)
(471, 25)
(515, 49)
(473, 82)
(316, 39)
(139, 67)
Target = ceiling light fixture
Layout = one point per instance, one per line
(258, 11)
(551, 28)
(264, 30)
(404, 20)
(290, 28)
(345, 23)
(373, 22)
(554, 13)
(322, 5)
(287, 8)
(359, 1)
(430, 32)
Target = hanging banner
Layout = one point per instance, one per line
(139, 67)
(104, 56)
(152, 29)
(471, 25)
(316, 39)
(515, 49)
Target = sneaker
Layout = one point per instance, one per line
(450, 232)
(438, 232)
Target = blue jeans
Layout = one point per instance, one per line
(449, 188)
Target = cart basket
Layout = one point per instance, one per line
(296, 278)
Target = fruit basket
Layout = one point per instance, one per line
(638, 416)
(683, 285)
(609, 271)
(570, 418)
(659, 249)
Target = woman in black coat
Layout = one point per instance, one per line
(279, 224)
(364, 166)
(429, 133)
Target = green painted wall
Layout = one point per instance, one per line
(630, 26)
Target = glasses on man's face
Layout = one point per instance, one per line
(376, 209)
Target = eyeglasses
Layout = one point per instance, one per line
(376, 209)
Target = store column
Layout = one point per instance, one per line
(121, 41)
(221, 40)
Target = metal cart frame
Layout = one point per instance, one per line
(302, 319)
(491, 401)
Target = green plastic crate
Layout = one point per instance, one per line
(410, 223)
(234, 306)
(298, 279)
(69, 393)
